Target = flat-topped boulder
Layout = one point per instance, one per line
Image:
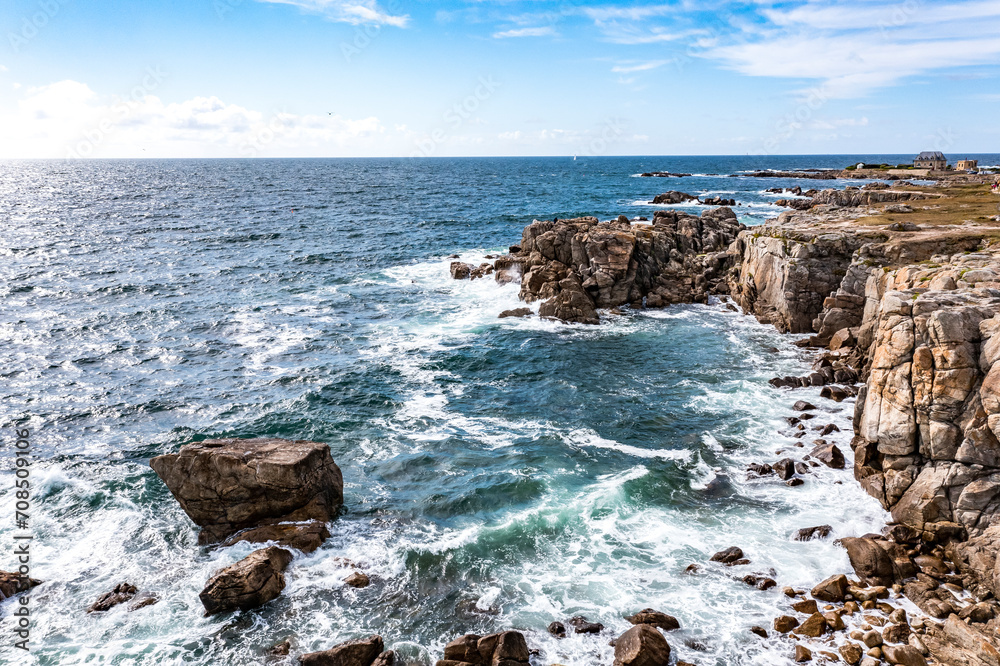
(228, 485)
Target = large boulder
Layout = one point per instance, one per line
(360, 652)
(642, 645)
(250, 583)
(227, 485)
(871, 562)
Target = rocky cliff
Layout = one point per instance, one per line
(917, 315)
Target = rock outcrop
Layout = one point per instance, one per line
(250, 583)
(576, 267)
(228, 485)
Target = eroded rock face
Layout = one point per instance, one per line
(227, 485)
(581, 265)
(250, 583)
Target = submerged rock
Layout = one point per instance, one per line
(120, 594)
(250, 583)
(227, 485)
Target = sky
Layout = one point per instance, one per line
(411, 78)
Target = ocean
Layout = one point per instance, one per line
(499, 474)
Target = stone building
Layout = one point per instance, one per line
(931, 159)
(966, 165)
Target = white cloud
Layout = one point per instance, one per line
(853, 47)
(357, 12)
(68, 119)
(3, 68)
(525, 32)
(640, 67)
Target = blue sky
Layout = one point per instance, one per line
(241, 78)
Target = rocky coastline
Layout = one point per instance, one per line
(904, 316)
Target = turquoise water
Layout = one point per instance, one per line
(498, 473)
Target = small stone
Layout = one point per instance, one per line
(760, 582)
(760, 631)
(803, 406)
(834, 621)
(120, 594)
(516, 312)
(280, 649)
(802, 654)
(810, 533)
(794, 483)
(582, 625)
(813, 627)
(728, 555)
(788, 591)
(832, 589)
(557, 629)
(358, 580)
(896, 633)
(872, 638)
(656, 619)
(851, 652)
(807, 606)
(785, 623)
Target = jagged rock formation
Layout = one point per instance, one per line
(917, 314)
(581, 265)
(228, 485)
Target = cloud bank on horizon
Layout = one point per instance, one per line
(258, 78)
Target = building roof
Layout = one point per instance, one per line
(931, 155)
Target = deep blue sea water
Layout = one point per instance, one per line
(499, 473)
